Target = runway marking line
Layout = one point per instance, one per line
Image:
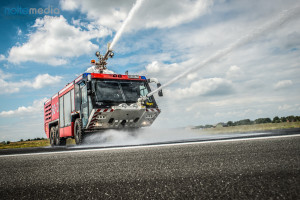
(151, 146)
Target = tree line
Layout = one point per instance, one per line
(276, 119)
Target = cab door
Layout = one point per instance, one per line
(84, 110)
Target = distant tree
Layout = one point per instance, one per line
(196, 127)
(243, 122)
(297, 118)
(262, 120)
(229, 123)
(208, 126)
(7, 142)
(21, 140)
(268, 120)
(276, 119)
(283, 119)
(290, 118)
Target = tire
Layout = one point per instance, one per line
(78, 132)
(52, 136)
(58, 140)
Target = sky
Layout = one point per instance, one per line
(40, 53)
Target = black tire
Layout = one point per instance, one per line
(52, 136)
(58, 140)
(78, 132)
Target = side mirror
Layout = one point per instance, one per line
(160, 93)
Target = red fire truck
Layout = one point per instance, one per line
(98, 101)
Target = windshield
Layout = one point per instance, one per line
(120, 91)
(108, 91)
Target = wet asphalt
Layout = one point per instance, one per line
(266, 168)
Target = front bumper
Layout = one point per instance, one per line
(121, 118)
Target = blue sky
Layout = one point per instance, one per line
(41, 53)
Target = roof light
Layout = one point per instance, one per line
(93, 61)
(133, 76)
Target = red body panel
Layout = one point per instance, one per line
(66, 131)
(47, 116)
(47, 131)
(55, 108)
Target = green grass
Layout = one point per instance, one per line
(24, 144)
(251, 128)
(34, 143)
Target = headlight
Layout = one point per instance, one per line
(98, 124)
(145, 123)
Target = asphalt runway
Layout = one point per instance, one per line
(265, 167)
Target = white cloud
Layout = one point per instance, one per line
(192, 76)
(152, 14)
(43, 80)
(210, 86)
(55, 40)
(169, 13)
(285, 107)
(4, 75)
(19, 32)
(153, 67)
(166, 71)
(283, 84)
(35, 108)
(162, 71)
(2, 57)
(234, 72)
(289, 107)
(40, 81)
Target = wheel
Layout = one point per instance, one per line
(52, 136)
(58, 140)
(78, 132)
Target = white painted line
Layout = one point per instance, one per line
(67, 87)
(151, 146)
(78, 79)
(54, 96)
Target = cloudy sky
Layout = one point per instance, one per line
(41, 53)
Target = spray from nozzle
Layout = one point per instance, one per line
(101, 65)
(133, 10)
(276, 22)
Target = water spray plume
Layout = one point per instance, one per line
(277, 21)
(135, 7)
